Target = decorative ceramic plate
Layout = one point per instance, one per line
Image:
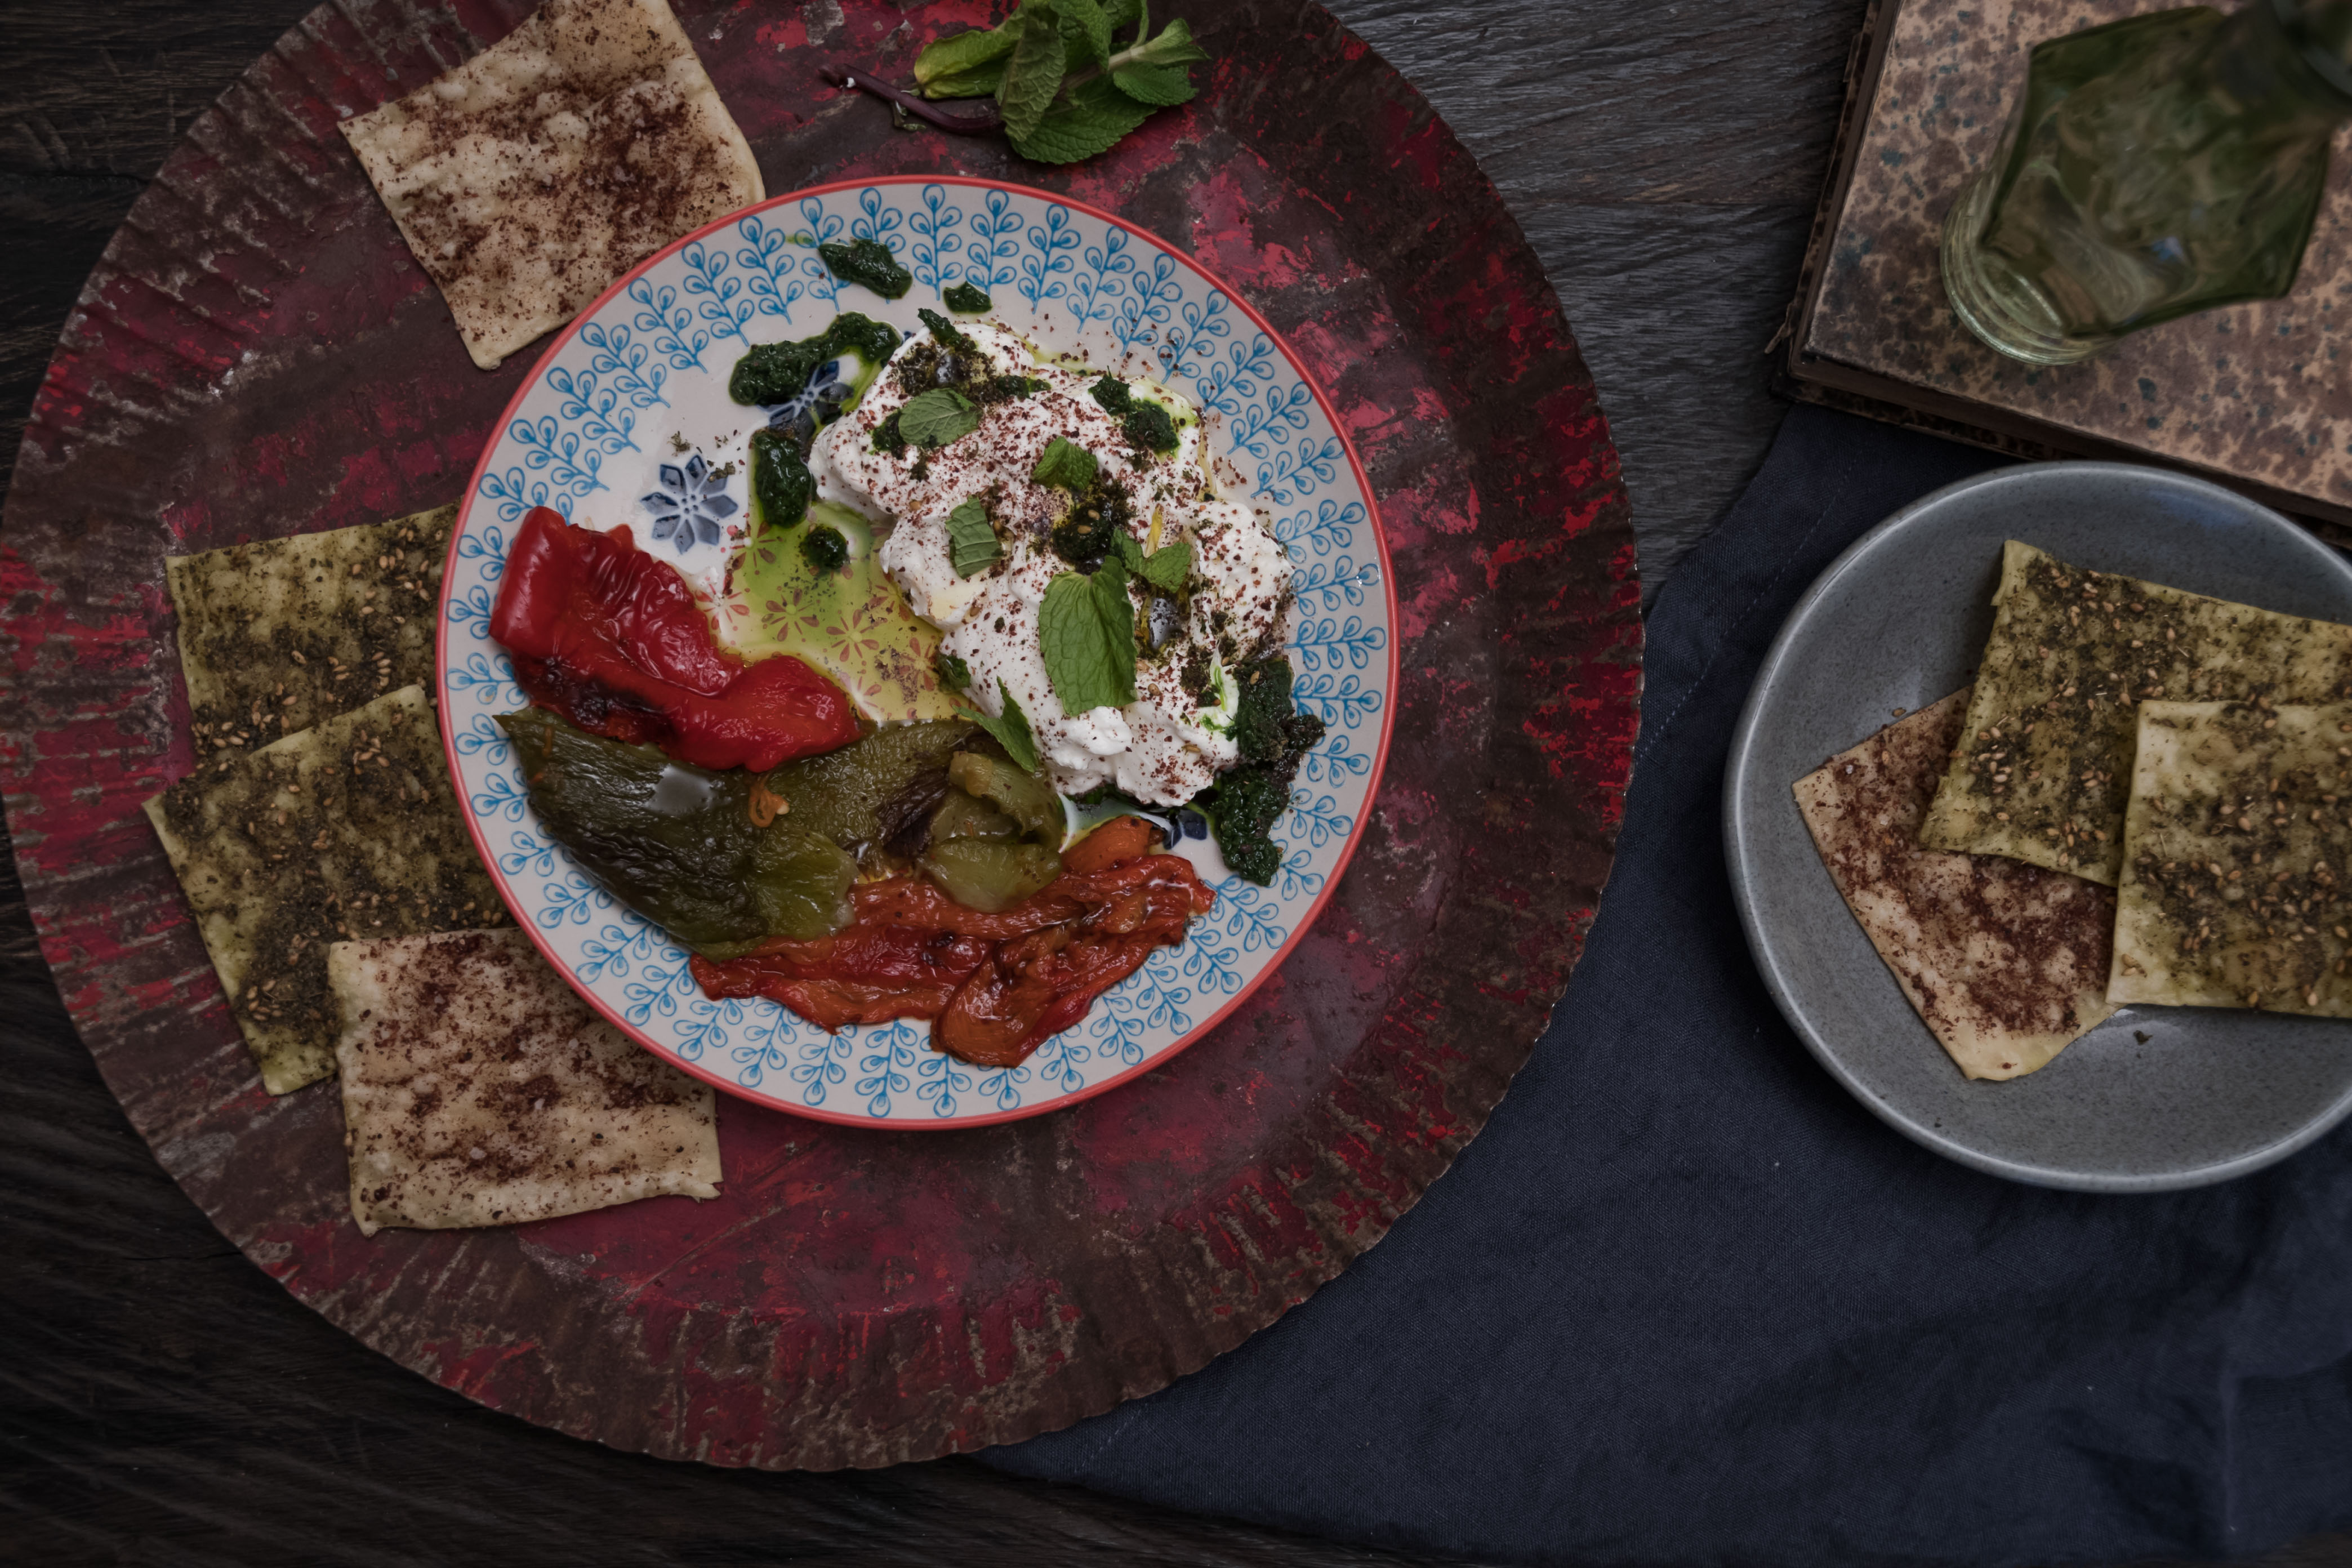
(2154, 1097)
(599, 432)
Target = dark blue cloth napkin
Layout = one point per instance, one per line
(1684, 1301)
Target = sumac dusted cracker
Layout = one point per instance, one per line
(2043, 767)
(479, 1090)
(2005, 962)
(2236, 888)
(348, 829)
(527, 179)
(278, 634)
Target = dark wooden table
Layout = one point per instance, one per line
(163, 1401)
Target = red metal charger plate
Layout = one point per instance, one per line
(257, 354)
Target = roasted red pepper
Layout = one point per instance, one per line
(612, 638)
(996, 986)
(862, 974)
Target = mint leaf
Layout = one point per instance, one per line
(936, 417)
(967, 299)
(1011, 729)
(1121, 13)
(1090, 120)
(1033, 71)
(1173, 46)
(1167, 567)
(1129, 553)
(1118, 613)
(1086, 31)
(965, 55)
(953, 672)
(980, 81)
(1159, 85)
(1086, 632)
(1065, 463)
(971, 541)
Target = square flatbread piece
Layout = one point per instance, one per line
(2237, 849)
(479, 1090)
(347, 829)
(278, 634)
(2006, 962)
(2047, 762)
(531, 176)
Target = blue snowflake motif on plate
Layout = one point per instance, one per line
(690, 505)
(816, 405)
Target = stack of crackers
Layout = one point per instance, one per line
(319, 841)
(2147, 797)
(338, 892)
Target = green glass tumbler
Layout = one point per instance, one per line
(2156, 166)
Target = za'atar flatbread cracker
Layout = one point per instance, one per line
(531, 176)
(2046, 763)
(348, 829)
(278, 634)
(479, 1090)
(2236, 888)
(2006, 962)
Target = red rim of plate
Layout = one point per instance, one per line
(952, 1123)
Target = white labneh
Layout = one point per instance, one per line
(1173, 739)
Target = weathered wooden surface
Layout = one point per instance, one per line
(165, 1402)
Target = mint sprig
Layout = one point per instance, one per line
(1065, 463)
(1167, 567)
(936, 417)
(1063, 91)
(1086, 632)
(972, 543)
(1011, 729)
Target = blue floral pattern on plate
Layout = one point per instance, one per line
(632, 405)
(690, 505)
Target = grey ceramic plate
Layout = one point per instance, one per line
(2155, 1097)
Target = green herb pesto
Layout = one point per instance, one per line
(949, 359)
(771, 374)
(1147, 426)
(825, 548)
(867, 262)
(967, 299)
(945, 332)
(1275, 738)
(781, 485)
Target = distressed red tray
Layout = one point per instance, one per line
(257, 354)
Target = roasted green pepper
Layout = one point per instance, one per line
(863, 795)
(707, 856)
(1028, 799)
(964, 816)
(990, 874)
